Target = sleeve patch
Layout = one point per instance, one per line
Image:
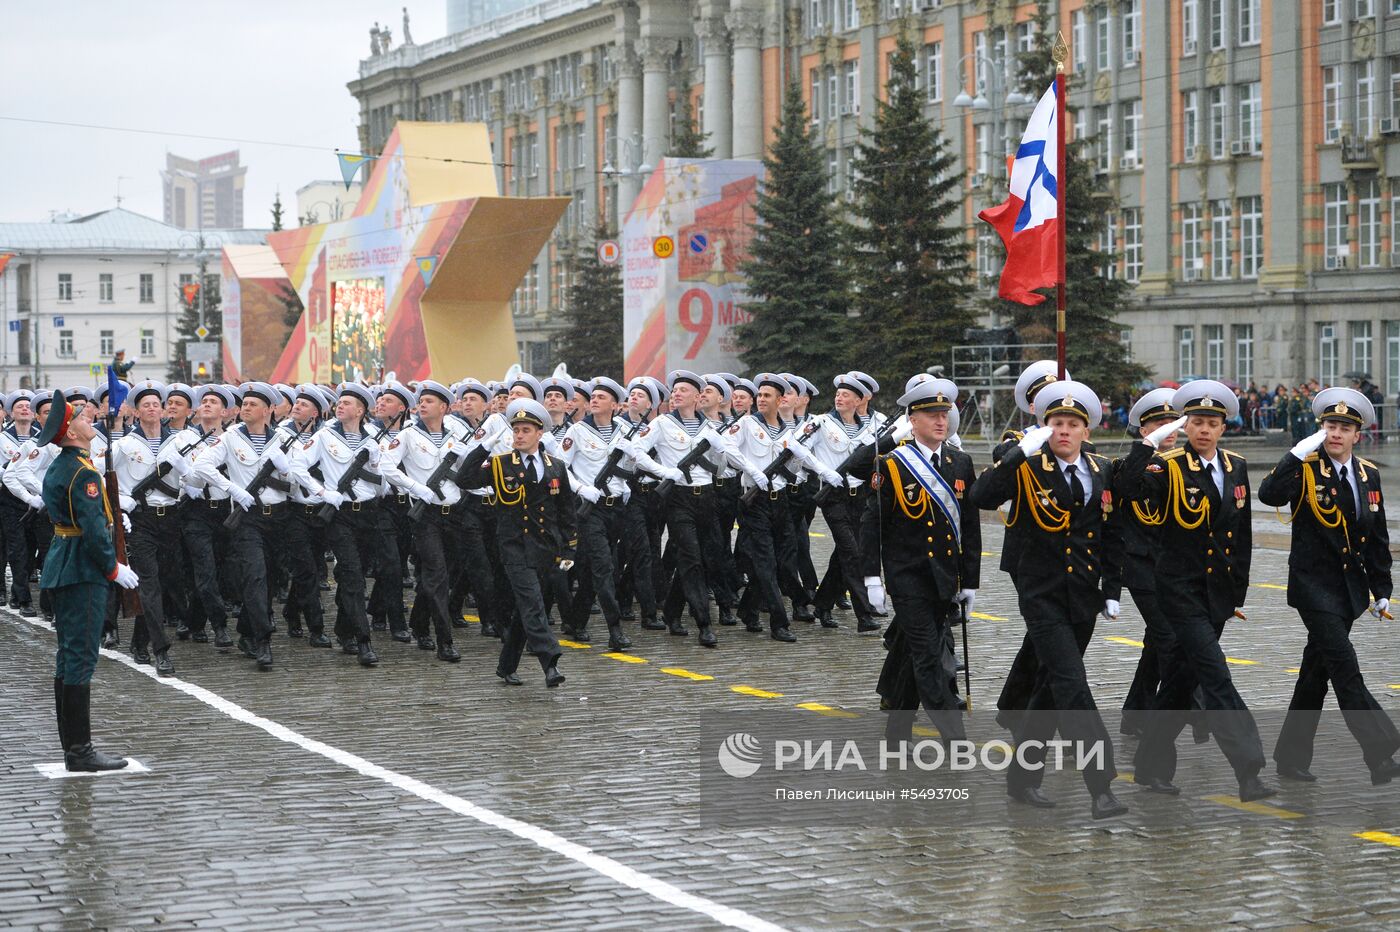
(736, 428)
(568, 443)
(1154, 467)
(92, 490)
(480, 432)
(393, 444)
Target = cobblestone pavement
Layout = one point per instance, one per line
(324, 795)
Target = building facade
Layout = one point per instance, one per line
(204, 194)
(326, 201)
(73, 293)
(1249, 147)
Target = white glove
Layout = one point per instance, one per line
(36, 502)
(126, 577)
(799, 451)
(126, 522)
(968, 597)
(875, 593)
(854, 482)
(832, 477)
(425, 494)
(1162, 433)
(1111, 608)
(1380, 606)
(903, 432)
(760, 480)
(566, 565)
(675, 475)
(240, 497)
(126, 502)
(589, 493)
(179, 466)
(1034, 439)
(332, 497)
(278, 459)
(630, 447)
(1309, 443)
(134, 360)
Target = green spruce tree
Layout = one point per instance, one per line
(796, 290)
(907, 244)
(687, 142)
(181, 369)
(592, 344)
(1094, 351)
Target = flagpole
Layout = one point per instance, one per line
(1060, 54)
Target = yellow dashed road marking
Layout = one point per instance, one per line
(1266, 585)
(576, 645)
(1292, 670)
(1384, 838)
(625, 658)
(754, 691)
(1243, 663)
(826, 710)
(1257, 808)
(470, 618)
(686, 674)
(1129, 641)
(924, 731)
(1126, 778)
(988, 617)
(814, 534)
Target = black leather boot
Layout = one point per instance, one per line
(616, 639)
(58, 711)
(79, 754)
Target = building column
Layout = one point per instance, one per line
(870, 62)
(656, 53)
(1156, 278)
(718, 109)
(629, 125)
(746, 27)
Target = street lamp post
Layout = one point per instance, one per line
(633, 155)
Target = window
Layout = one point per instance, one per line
(1131, 22)
(1188, 27)
(1364, 9)
(1191, 262)
(1327, 353)
(833, 171)
(1247, 21)
(1368, 210)
(832, 97)
(1214, 336)
(1221, 264)
(65, 344)
(979, 62)
(933, 70)
(1108, 232)
(1365, 96)
(1392, 357)
(1360, 345)
(1103, 30)
(1250, 130)
(532, 155)
(106, 345)
(1190, 124)
(1395, 216)
(848, 168)
(186, 278)
(1079, 40)
(986, 254)
(65, 286)
(104, 287)
(1331, 11)
(1251, 236)
(1217, 23)
(984, 148)
(850, 72)
(1394, 110)
(1244, 353)
(1132, 244)
(1103, 138)
(1331, 103)
(1185, 353)
(1334, 220)
(1216, 128)
(148, 343)
(852, 14)
(148, 288)
(1132, 125)
(814, 105)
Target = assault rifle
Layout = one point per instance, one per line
(154, 482)
(780, 462)
(609, 470)
(264, 479)
(860, 454)
(357, 471)
(695, 459)
(435, 481)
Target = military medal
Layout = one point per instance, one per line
(958, 486)
(1375, 499)
(1107, 501)
(1240, 496)
(553, 486)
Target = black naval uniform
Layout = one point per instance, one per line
(1066, 567)
(1202, 571)
(1140, 545)
(1340, 555)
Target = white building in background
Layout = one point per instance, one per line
(75, 292)
(326, 201)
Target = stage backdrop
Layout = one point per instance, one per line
(680, 312)
(430, 205)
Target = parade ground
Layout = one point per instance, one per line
(423, 794)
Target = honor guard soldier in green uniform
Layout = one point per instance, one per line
(81, 562)
(1340, 557)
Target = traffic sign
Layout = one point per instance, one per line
(95, 368)
(58, 321)
(201, 331)
(609, 252)
(14, 326)
(699, 242)
(663, 247)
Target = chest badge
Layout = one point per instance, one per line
(1240, 498)
(554, 486)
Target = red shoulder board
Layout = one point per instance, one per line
(92, 490)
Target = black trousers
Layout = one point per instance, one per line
(19, 545)
(765, 539)
(1192, 657)
(1059, 628)
(686, 514)
(598, 534)
(528, 626)
(1149, 672)
(1329, 655)
(152, 548)
(923, 637)
(476, 555)
(843, 514)
(201, 526)
(379, 557)
(637, 553)
(256, 539)
(357, 538)
(801, 511)
(305, 551)
(436, 536)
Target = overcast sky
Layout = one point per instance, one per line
(268, 76)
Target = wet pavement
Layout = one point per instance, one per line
(423, 794)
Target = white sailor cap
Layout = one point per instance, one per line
(530, 382)
(103, 387)
(358, 392)
(19, 394)
(775, 380)
(221, 392)
(583, 387)
(79, 392)
(929, 394)
(1206, 396)
(146, 387)
(684, 375)
(646, 385)
(1069, 397)
(312, 393)
(604, 384)
(429, 387)
(178, 388)
(661, 389)
(1035, 377)
(475, 387)
(848, 381)
(557, 383)
(402, 392)
(527, 411)
(1152, 406)
(262, 390)
(742, 384)
(720, 383)
(288, 393)
(867, 380)
(1344, 404)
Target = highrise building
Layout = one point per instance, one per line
(204, 194)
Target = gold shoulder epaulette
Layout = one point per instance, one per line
(1232, 455)
(1173, 453)
(1312, 457)
(1367, 463)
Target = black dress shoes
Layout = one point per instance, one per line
(163, 665)
(221, 638)
(677, 628)
(652, 623)
(803, 613)
(264, 655)
(1106, 806)
(707, 637)
(727, 616)
(510, 679)
(427, 643)
(403, 637)
(616, 639)
(368, 658)
(1384, 772)
(1252, 788)
(867, 625)
(448, 653)
(140, 654)
(784, 635)
(110, 640)
(844, 604)
(553, 678)
(1156, 785)
(199, 637)
(1296, 774)
(319, 639)
(1031, 796)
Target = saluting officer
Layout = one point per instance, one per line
(1066, 573)
(1340, 557)
(929, 544)
(1199, 495)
